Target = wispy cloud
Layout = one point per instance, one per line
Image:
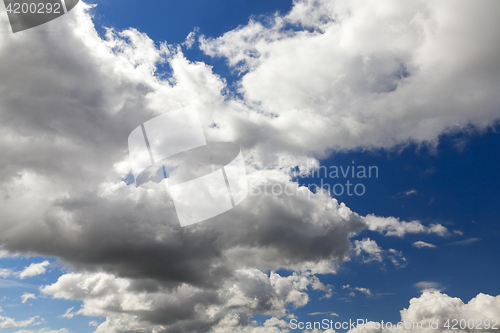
(391, 226)
(6, 322)
(368, 249)
(45, 330)
(68, 313)
(421, 244)
(5, 272)
(333, 314)
(466, 242)
(365, 291)
(6, 254)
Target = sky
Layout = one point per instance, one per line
(370, 135)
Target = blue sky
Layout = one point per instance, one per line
(439, 168)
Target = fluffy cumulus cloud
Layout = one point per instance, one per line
(34, 269)
(436, 309)
(329, 74)
(367, 250)
(248, 292)
(44, 330)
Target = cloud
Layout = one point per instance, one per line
(365, 291)
(370, 247)
(397, 258)
(68, 313)
(333, 314)
(435, 306)
(34, 269)
(5, 272)
(426, 286)
(369, 251)
(358, 76)
(45, 330)
(6, 322)
(11, 284)
(352, 290)
(391, 226)
(421, 244)
(250, 291)
(27, 296)
(6, 254)
(232, 323)
(466, 242)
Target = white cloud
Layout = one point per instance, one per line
(27, 296)
(333, 314)
(93, 323)
(421, 244)
(466, 242)
(6, 322)
(397, 258)
(365, 291)
(11, 283)
(435, 306)
(367, 79)
(34, 269)
(367, 73)
(190, 39)
(351, 291)
(370, 247)
(68, 314)
(250, 291)
(5, 272)
(391, 226)
(426, 286)
(6, 254)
